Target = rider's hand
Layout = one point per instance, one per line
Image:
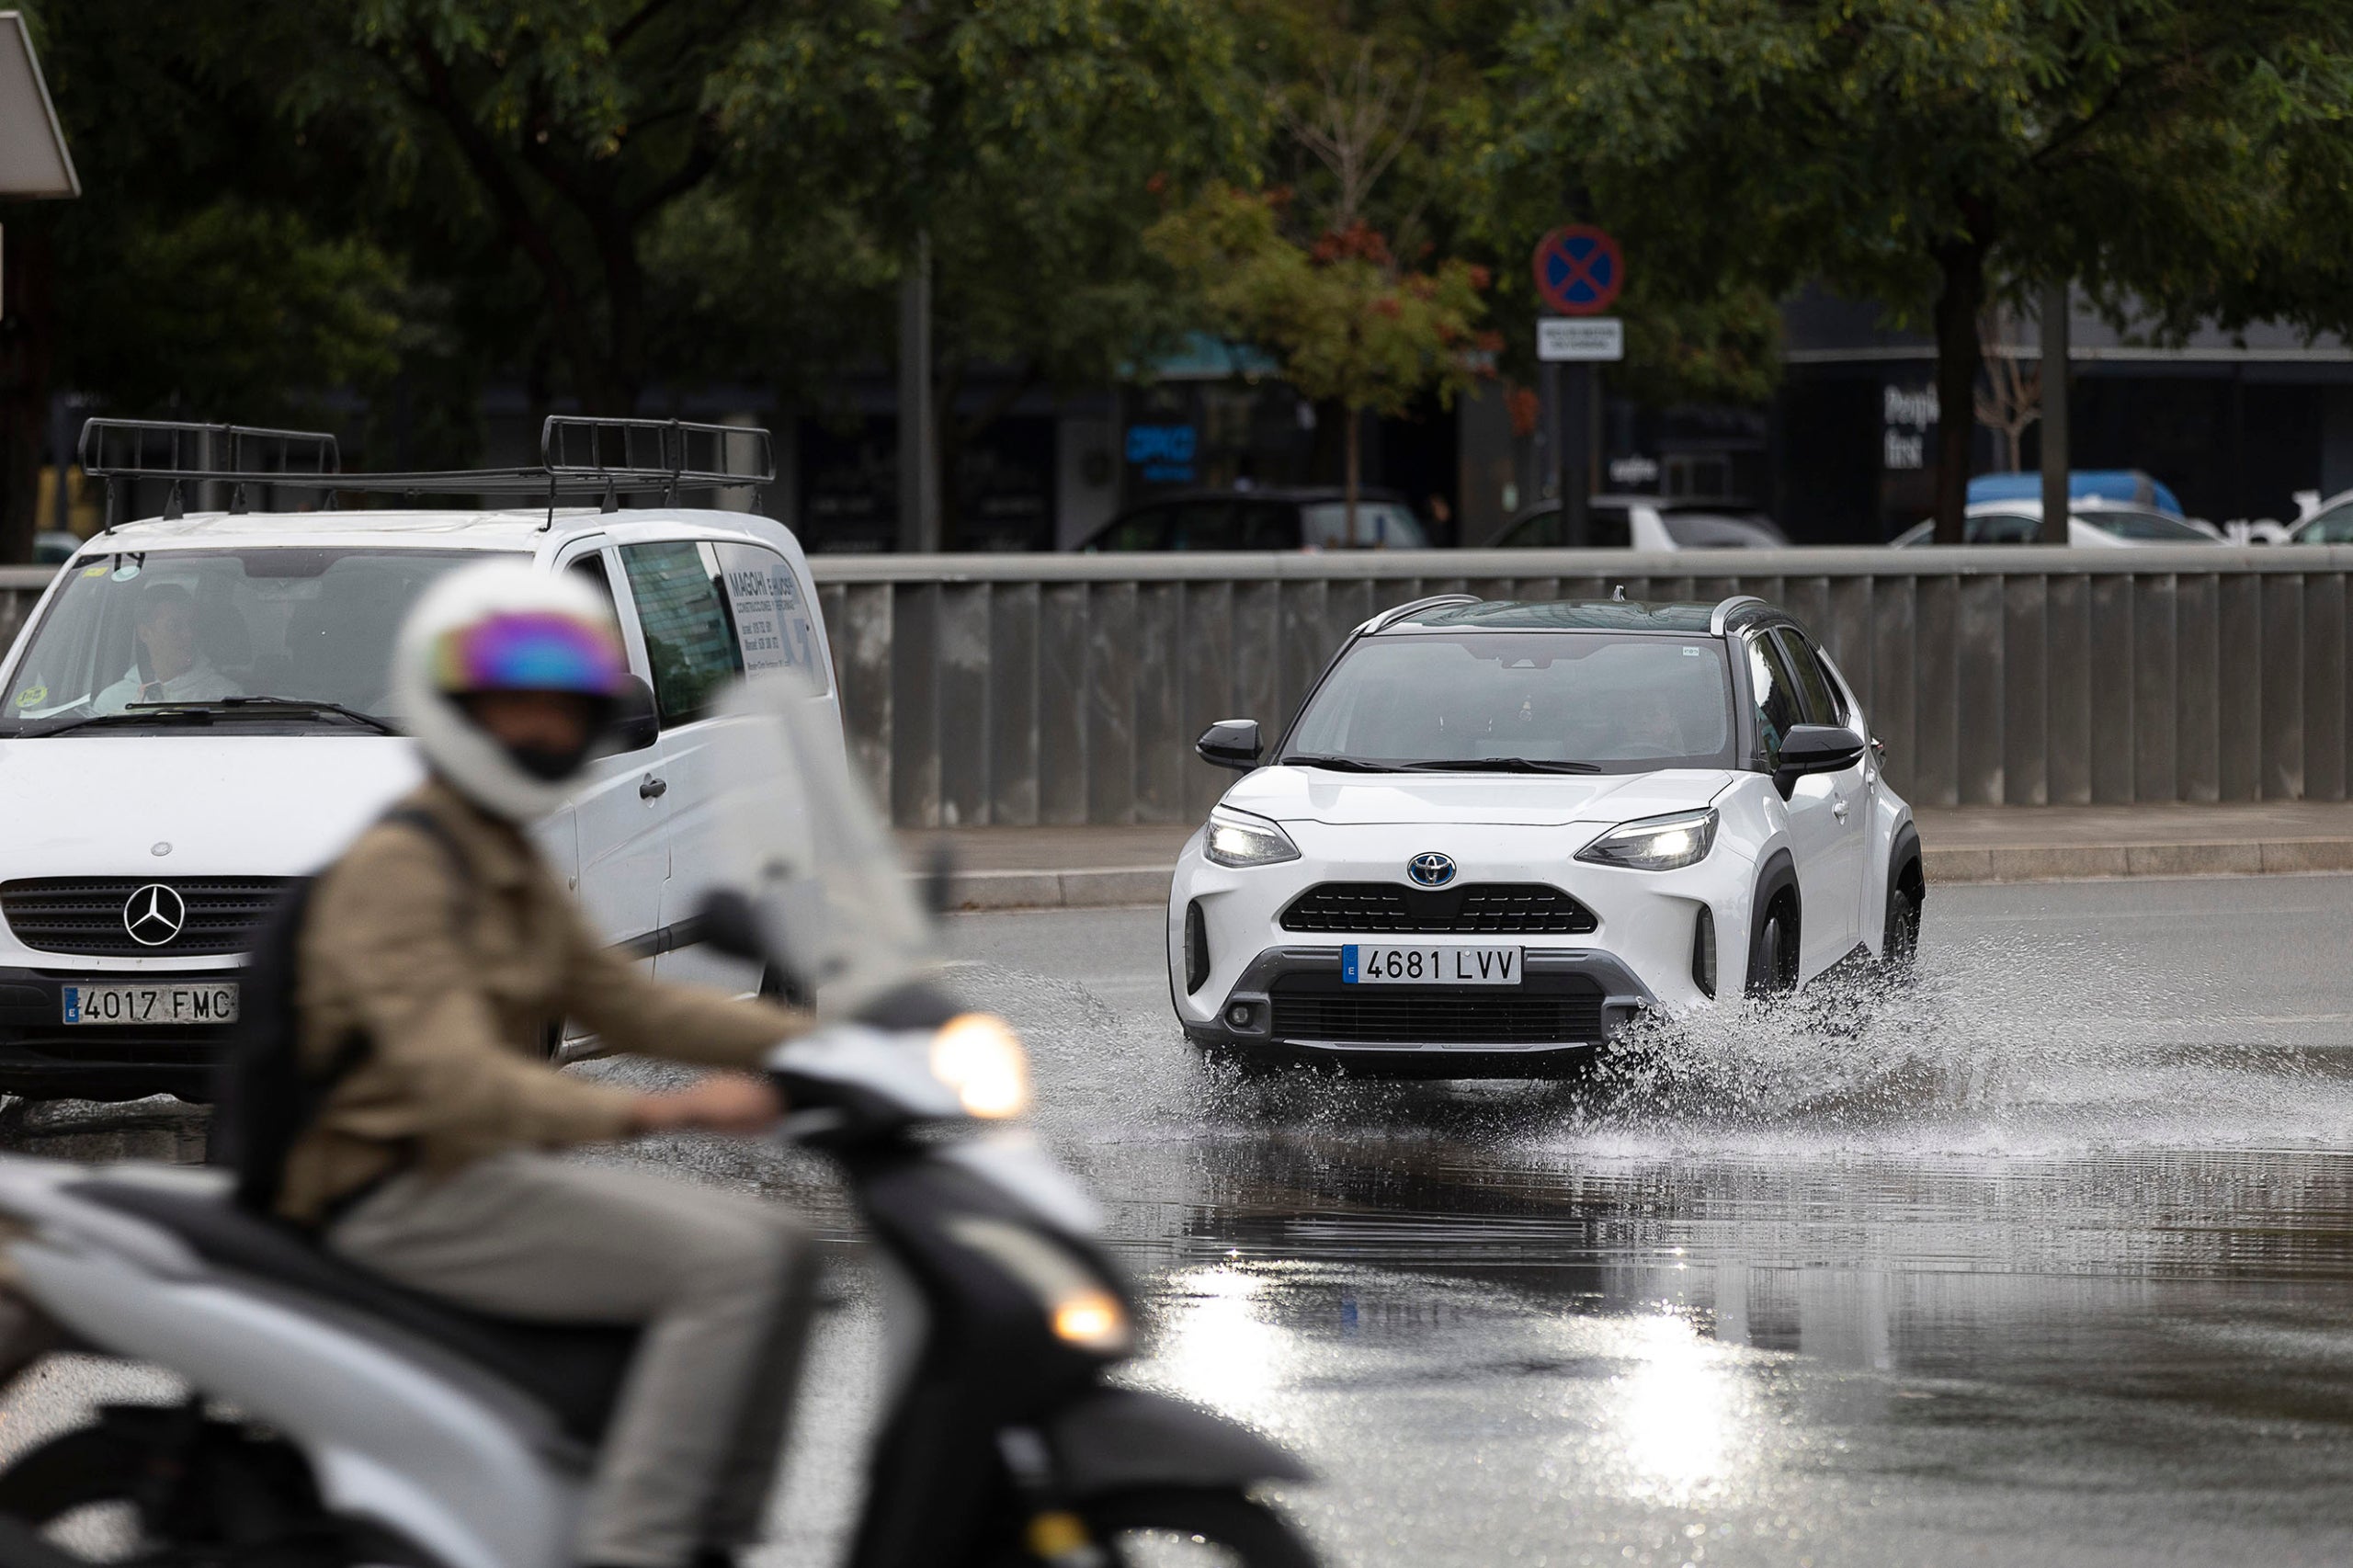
(725, 1102)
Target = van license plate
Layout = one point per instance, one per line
(215, 1003)
(1366, 965)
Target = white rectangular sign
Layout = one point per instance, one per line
(1580, 337)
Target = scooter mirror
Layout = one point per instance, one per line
(731, 926)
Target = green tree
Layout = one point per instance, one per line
(200, 274)
(1019, 143)
(1930, 154)
(1348, 323)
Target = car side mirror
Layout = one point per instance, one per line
(1816, 748)
(636, 724)
(1231, 742)
(726, 922)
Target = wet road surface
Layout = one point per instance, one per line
(2047, 1259)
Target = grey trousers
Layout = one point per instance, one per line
(723, 1282)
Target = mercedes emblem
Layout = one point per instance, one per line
(153, 915)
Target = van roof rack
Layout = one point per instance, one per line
(579, 455)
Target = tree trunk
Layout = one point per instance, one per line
(1960, 357)
(27, 341)
(1355, 447)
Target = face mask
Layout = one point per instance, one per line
(547, 765)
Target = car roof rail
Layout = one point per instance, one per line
(579, 454)
(1388, 617)
(1726, 609)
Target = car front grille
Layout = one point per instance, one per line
(1321, 1007)
(85, 915)
(1473, 909)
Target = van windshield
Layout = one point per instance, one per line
(1567, 701)
(283, 628)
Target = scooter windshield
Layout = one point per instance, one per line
(795, 833)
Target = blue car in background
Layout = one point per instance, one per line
(2127, 487)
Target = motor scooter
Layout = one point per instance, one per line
(336, 1419)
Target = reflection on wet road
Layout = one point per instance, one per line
(2046, 1260)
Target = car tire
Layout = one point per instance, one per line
(1900, 939)
(1773, 947)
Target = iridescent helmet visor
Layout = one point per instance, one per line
(530, 651)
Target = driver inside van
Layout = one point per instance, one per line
(170, 667)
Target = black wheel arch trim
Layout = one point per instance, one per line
(1117, 1440)
(1777, 875)
(1903, 852)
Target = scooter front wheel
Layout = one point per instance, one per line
(1174, 1524)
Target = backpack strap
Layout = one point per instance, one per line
(312, 1090)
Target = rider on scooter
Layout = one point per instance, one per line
(432, 1162)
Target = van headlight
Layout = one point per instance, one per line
(1655, 844)
(979, 1057)
(1238, 839)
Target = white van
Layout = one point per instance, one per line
(197, 713)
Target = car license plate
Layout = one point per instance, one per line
(210, 1004)
(1367, 965)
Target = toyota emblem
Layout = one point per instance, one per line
(153, 915)
(1430, 870)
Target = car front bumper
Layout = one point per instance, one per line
(1640, 954)
(42, 1057)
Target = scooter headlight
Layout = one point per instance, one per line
(1080, 1311)
(1239, 839)
(979, 1057)
(1655, 844)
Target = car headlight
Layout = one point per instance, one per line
(979, 1057)
(1237, 838)
(1655, 844)
(1079, 1309)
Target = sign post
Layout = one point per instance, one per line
(1579, 272)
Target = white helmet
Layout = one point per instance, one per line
(503, 627)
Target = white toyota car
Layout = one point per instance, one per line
(1497, 832)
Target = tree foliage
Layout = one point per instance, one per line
(1929, 154)
(1348, 323)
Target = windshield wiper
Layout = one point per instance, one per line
(304, 705)
(206, 712)
(1505, 764)
(1339, 763)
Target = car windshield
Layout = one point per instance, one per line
(293, 627)
(1603, 701)
(2154, 527)
(1380, 525)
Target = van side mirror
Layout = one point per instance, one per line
(636, 724)
(1816, 748)
(1231, 742)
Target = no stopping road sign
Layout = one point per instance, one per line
(1578, 270)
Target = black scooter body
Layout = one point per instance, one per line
(991, 1374)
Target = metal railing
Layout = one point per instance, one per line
(1018, 689)
(1059, 689)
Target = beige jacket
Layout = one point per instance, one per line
(458, 984)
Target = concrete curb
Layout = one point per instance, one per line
(1114, 886)
(2081, 862)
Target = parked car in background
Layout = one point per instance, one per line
(1645, 522)
(2093, 524)
(2119, 486)
(1302, 517)
(54, 547)
(2332, 524)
